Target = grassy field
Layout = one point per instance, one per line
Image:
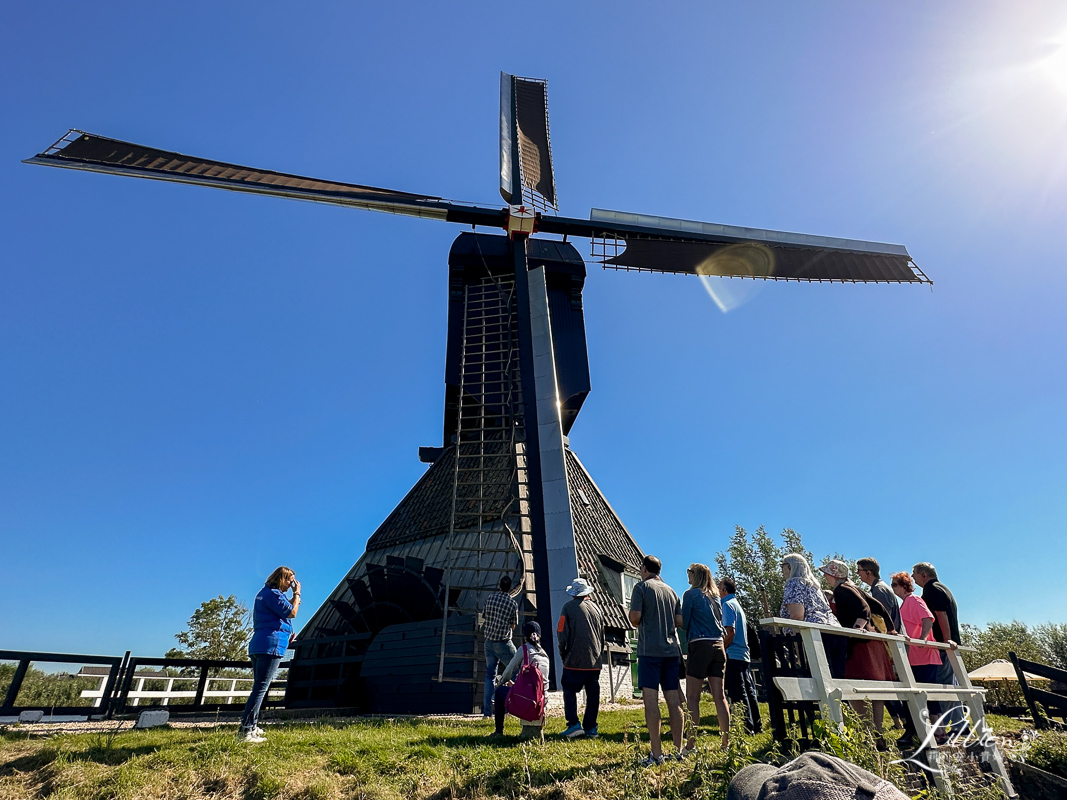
(381, 759)
(405, 759)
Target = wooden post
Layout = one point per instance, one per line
(917, 710)
(830, 698)
(1039, 719)
(829, 692)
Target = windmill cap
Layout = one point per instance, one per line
(812, 776)
(579, 588)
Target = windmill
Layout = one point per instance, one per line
(504, 494)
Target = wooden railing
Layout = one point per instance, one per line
(828, 692)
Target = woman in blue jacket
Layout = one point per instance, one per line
(270, 639)
(706, 657)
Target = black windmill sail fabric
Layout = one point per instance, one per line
(535, 153)
(87, 151)
(660, 244)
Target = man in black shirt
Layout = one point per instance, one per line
(946, 629)
(940, 602)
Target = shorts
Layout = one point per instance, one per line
(707, 659)
(658, 672)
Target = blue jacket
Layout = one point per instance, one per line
(270, 623)
(698, 618)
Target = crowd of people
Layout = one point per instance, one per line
(714, 637)
(700, 640)
(701, 637)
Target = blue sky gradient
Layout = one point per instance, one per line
(197, 386)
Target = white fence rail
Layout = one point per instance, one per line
(222, 690)
(829, 692)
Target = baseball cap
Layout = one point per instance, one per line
(811, 776)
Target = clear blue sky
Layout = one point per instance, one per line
(197, 386)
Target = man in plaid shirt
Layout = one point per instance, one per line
(501, 615)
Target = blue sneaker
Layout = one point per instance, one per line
(573, 732)
(592, 733)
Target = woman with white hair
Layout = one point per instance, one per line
(803, 600)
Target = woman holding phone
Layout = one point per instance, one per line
(271, 630)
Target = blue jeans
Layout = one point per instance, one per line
(264, 668)
(495, 653)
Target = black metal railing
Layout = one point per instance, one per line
(117, 684)
(24, 659)
(783, 655)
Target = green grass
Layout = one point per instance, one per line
(379, 759)
(405, 759)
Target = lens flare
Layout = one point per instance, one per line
(1053, 66)
(718, 271)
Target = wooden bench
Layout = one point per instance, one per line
(829, 692)
(1055, 703)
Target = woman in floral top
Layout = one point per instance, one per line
(803, 600)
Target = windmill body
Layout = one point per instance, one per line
(504, 494)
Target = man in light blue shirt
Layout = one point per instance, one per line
(738, 682)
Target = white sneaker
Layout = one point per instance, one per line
(251, 737)
(258, 731)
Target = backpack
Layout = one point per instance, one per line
(526, 698)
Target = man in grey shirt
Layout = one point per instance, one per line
(656, 612)
(870, 574)
(581, 637)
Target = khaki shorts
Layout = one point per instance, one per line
(706, 659)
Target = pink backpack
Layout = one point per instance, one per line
(526, 698)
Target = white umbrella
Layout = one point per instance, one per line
(999, 670)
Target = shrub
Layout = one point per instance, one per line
(1049, 752)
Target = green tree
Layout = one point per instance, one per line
(753, 563)
(1053, 639)
(220, 628)
(997, 639)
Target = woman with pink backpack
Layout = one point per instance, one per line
(522, 688)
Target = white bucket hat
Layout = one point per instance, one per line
(579, 588)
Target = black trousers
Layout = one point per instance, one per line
(500, 698)
(574, 681)
(836, 648)
(741, 689)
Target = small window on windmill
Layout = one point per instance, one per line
(583, 498)
(628, 583)
(614, 578)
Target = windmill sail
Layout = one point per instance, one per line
(660, 244)
(87, 151)
(526, 173)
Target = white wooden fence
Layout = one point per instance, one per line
(830, 692)
(219, 690)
